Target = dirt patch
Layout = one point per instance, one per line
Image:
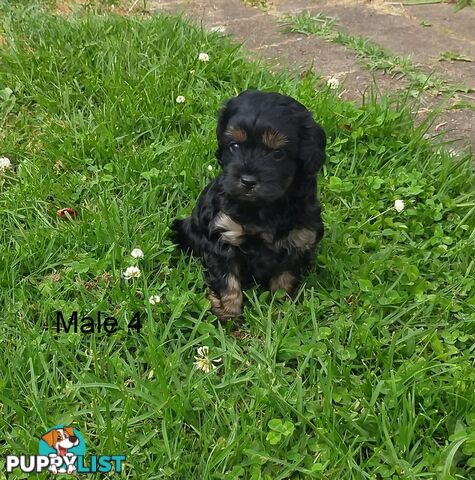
(405, 37)
(381, 6)
(69, 7)
(66, 7)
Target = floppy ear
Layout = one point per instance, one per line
(312, 145)
(227, 110)
(223, 118)
(69, 431)
(50, 437)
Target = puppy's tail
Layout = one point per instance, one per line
(182, 236)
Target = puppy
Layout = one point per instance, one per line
(259, 220)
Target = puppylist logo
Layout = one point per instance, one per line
(62, 449)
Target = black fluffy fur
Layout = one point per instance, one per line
(283, 199)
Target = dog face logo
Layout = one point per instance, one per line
(64, 442)
(61, 439)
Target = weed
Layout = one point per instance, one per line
(374, 56)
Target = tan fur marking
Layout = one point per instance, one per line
(229, 305)
(231, 231)
(285, 281)
(302, 238)
(274, 139)
(215, 301)
(236, 133)
(298, 238)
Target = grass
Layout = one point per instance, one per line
(374, 56)
(261, 4)
(368, 374)
(459, 5)
(454, 57)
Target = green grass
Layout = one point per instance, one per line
(261, 4)
(374, 56)
(368, 374)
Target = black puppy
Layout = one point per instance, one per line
(259, 220)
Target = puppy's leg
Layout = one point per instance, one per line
(224, 290)
(285, 280)
(185, 235)
(228, 303)
(179, 233)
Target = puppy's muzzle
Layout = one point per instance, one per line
(248, 181)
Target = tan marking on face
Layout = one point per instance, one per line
(274, 139)
(229, 305)
(285, 281)
(236, 134)
(231, 231)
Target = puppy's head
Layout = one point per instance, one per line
(61, 437)
(268, 145)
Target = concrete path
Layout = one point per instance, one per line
(421, 32)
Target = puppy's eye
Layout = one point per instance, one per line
(233, 147)
(278, 154)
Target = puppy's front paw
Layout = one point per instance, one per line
(226, 307)
(285, 281)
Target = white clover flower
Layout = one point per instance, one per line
(203, 351)
(180, 99)
(154, 299)
(218, 29)
(58, 166)
(333, 83)
(203, 57)
(399, 205)
(453, 152)
(203, 362)
(5, 164)
(210, 168)
(136, 253)
(132, 272)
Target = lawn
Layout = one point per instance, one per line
(367, 374)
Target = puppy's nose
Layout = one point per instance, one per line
(73, 439)
(248, 181)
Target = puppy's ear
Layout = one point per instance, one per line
(69, 431)
(223, 118)
(229, 109)
(50, 437)
(312, 145)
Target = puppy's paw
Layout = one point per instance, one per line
(53, 469)
(226, 307)
(285, 281)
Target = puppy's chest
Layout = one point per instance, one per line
(241, 234)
